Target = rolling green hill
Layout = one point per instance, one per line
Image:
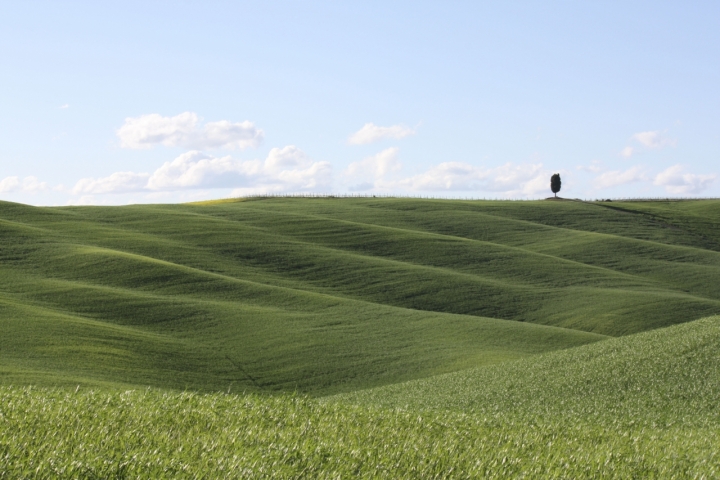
(330, 295)
(640, 406)
(444, 339)
(661, 378)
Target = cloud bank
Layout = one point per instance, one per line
(654, 139)
(675, 181)
(508, 179)
(26, 185)
(376, 166)
(285, 169)
(184, 130)
(615, 178)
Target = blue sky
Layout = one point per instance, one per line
(136, 102)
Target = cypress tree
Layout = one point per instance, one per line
(555, 183)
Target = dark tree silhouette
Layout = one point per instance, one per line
(555, 183)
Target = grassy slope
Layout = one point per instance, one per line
(640, 406)
(332, 295)
(123, 295)
(150, 434)
(661, 378)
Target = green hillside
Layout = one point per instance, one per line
(444, 339)
(330, 295)
(661, 378)
(640, 406)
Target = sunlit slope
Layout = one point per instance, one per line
(147, 433)
(327, 295)
(666, 377)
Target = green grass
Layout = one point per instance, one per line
(423, 338)
(330, 295)
(661, 378)
(642, 406)
(148, 434)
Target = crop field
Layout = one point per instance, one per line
(50, 433)
(662, 378)
(332, 338)
(639, 406)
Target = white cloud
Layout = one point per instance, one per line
(370, 133)
(289, 169)
(508, 179)
(197, 170)
(27, 185)
(627, 152)
(9, 184)
(653, 139)
(284, 169)
(184, 130)
(617, 177)
(677, 182)
(314, 176)
(67, 105)
(649, 140)
(32, 185)
(287, 157)
(118, 182)
(376, 166)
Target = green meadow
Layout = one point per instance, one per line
(342, 337)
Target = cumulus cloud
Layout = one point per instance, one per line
(32, 185)
(118, 182)
(377, 165)
(9, 184)
(195, 169)
(315, 176)
(677, 182)
(287, 157)
(648, 140)
(370, 133)
(618, 177)
(184, 130)
(284, 169)
(654, 139)
(508, 179)
(26, 185)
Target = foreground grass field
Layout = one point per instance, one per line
(609, 410)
